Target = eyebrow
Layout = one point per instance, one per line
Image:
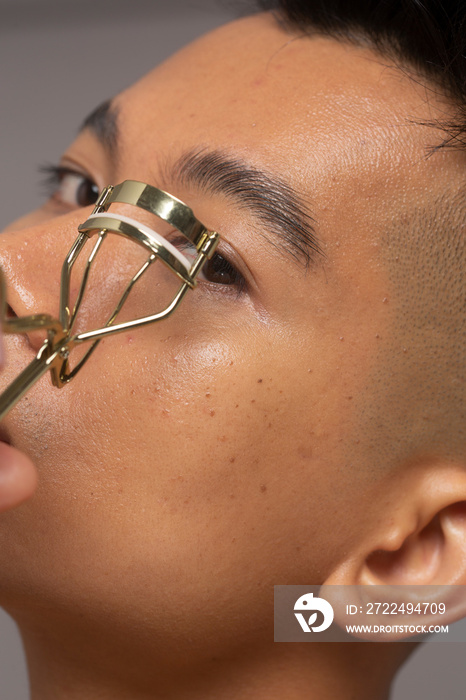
(103, 122)
(271, 200)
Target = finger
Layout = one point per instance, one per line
(18, 477)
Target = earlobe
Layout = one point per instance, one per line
(417, 548)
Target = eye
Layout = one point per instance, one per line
(218, 270)
(69, 187)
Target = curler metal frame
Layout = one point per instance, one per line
(55, 351)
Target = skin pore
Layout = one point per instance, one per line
(257, 436)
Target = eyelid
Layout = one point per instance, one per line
(53, 171)
(68, 163)
(84, 172)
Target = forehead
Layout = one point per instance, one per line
(292, 103)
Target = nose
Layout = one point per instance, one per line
(32, 259)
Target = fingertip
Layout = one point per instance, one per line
(18, 477)
(2, 353)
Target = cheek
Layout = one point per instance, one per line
(209, 470)
(226, 448)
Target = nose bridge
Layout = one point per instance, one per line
(32, 259)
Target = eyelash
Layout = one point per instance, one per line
(55, 178)
(220, 267)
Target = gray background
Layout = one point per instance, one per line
(59, 59)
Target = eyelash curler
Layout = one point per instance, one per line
(54, 354)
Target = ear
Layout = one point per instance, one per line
(418, 539)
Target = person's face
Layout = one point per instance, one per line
(195, 463)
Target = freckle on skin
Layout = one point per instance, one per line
(232, 460)
(212, 412)
(263, 488)
(253, 400)
(207, 395)
(259, 381)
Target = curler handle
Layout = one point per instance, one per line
(24, 381)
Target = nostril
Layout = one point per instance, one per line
(10, 313)
(34, 338)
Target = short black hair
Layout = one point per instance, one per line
(427, 35)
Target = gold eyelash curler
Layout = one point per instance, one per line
(54, 354)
